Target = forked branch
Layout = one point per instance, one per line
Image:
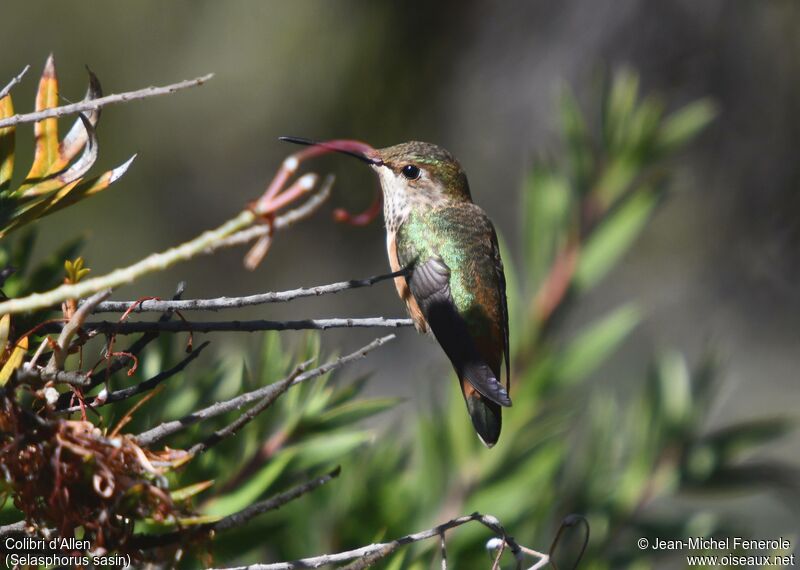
(156, 434)
(10, 85)
(251, 414)
(368, 555)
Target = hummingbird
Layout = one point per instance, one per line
(451, 276)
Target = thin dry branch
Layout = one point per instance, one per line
(127, 356)
(113, 327)
(71, 328)
(10, 85)
(141, 387)
(220, 303)
(94, 104)
(36, 377)
(367, 555)
(249, 415)
(156, 434)
(61, 348)
(236, 519)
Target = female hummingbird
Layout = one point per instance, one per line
(453, 283)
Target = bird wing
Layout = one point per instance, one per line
(430, 285)
(501, 284)
(455, 280)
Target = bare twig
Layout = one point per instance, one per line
(221, 303)
(368, 555)
(127, 356)
(10, 85)
(543, 559)
(141, 387)
(236, 519)
(37, 376)
(35, 358)
(61, 348)
(166, 429)
(109, 327)
(249, 415)
(95, 104)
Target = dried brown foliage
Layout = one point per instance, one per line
(70, 474)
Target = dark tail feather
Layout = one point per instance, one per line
(485, 414)
(484, 381)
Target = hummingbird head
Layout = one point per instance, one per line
(413, 169)
(423, 170)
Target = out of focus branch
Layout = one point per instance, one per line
(14, 529)
(237, 519)
(221, 303)
(112, 327)
(94, 104)
(166, 429)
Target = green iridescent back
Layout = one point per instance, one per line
(463, 237)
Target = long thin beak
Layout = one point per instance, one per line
(358, 149)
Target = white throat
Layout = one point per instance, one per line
(396, 206)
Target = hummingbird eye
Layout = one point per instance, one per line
(411, 172)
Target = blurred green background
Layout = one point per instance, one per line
(716, 269)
